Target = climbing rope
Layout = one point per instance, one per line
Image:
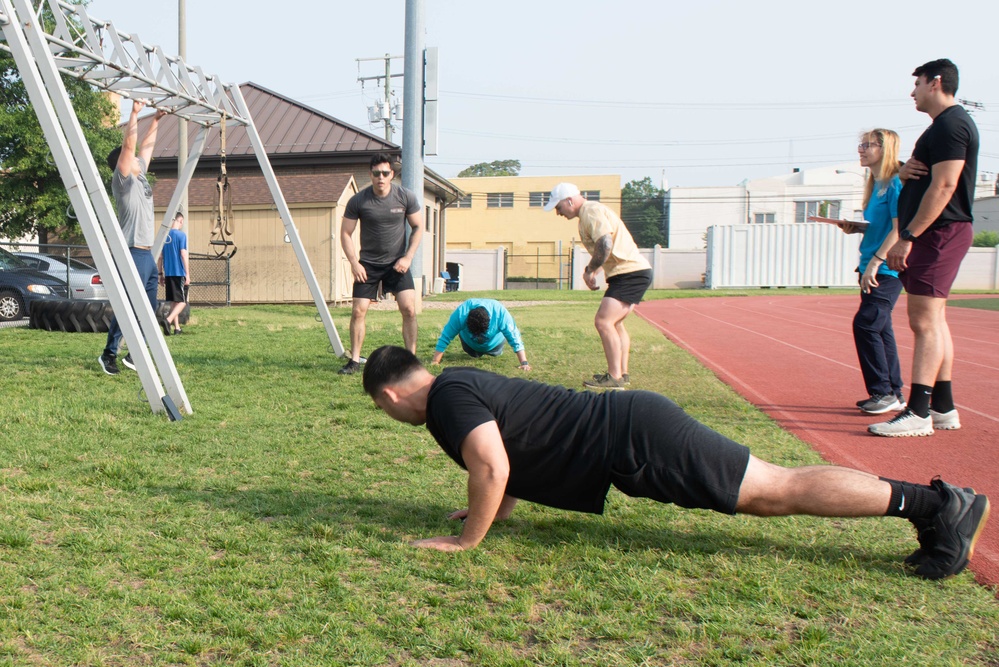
(222, 215)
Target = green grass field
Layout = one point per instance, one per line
(271, 526)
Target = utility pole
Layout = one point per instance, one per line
(182, 122)
(383, 111)
(412, 131)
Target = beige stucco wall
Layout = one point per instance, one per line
(529, 234)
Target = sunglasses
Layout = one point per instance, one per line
(375, 172)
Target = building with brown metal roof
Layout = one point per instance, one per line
(320, 162)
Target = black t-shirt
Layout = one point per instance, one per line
(383, 222)
(559, 441)
(952, 136)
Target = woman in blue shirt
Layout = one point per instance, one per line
(879, 285)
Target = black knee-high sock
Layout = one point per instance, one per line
(912, 501)
(919, 399)
(942, 399)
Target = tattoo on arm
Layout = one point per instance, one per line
(601, 252)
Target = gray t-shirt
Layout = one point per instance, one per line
(383, 222)
(134, 197)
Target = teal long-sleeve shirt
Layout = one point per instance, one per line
(501, 325)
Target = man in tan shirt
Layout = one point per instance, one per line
(628, 275)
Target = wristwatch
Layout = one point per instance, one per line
(906, 235)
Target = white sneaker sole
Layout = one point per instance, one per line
(887, 429)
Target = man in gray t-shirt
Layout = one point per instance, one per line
(383, 211)
(134, 199)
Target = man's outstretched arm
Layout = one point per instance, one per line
(488, 472)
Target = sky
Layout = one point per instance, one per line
(701, 93)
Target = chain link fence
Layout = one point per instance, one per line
(211, 276)
(538, 271)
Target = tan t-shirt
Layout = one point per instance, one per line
(595, 221)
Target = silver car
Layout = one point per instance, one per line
(84, 281)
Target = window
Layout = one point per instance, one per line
(805, 209)
(464, 202)
(499, 200)
(761, 218)
(426, 220)
(591, 195)
(538, 199)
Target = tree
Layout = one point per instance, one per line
(643, 212)
(33, 195)
(985, 239)
(494, 168)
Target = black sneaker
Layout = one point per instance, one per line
(127, 362)
(350, 368)
(108, 364)
(956, 528)
(926, 535)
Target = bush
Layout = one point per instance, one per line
(985, 240)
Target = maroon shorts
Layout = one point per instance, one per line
(935, 259)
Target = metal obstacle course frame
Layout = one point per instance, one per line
(49, 37)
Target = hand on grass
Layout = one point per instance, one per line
(446, 543)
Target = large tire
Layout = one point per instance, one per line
(72, 316)
(164, 310)
(11, 306)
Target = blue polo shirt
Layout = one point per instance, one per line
(880, 211)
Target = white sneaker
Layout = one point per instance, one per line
(945, 421)
(906, 424)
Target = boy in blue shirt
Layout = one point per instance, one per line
(482, 326)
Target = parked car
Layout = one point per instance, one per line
(22, 286)
(84, 281)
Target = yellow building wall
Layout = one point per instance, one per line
(530, 234)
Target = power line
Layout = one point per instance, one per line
(721, 106)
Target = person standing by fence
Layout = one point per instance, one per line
(880, 287)
(628, 275)
(934, 216)
(175, 274)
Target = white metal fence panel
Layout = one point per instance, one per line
(781, 255)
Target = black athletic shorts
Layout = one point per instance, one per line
(672, 458)
(629, 287)
(174, 288)
(391, 280)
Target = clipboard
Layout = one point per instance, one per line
(859, 224)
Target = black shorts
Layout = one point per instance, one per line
(391, 280)
(174, 287)
(629, 287)
(672, 458)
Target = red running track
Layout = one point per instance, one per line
(794, 358)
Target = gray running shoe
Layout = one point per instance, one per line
(350, 368)
(945, 421)
(108, 364)
(604, 381)
(625, 378)
(906, 424)
(880, 404)
(956, 529)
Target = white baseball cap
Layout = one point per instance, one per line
(560, 192)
